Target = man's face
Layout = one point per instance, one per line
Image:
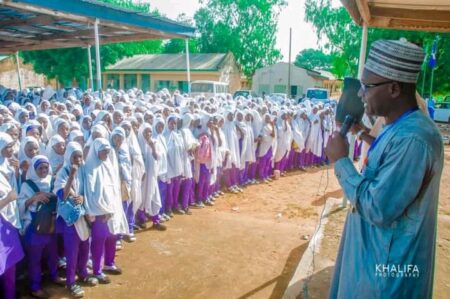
(378, 100)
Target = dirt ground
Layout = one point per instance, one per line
(247, 246)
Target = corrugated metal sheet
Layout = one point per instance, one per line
(169, 62)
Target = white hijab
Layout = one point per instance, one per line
(7, 182)
(103, 194)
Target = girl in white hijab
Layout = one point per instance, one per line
(300, 130)
(47, 129)
(314, 144)
(175, 168)
(191, 144)
(137, 174)
(69, 186)
(151, 200)
(265, 150)
(29, 147)
(55, 152)
(10, 248)
(284, 141)
(233, 160)
(39, 173)
(118, 141)
(158, 129)
(104, 207)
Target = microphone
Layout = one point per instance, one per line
(348, 122)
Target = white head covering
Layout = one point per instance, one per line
(55, 159)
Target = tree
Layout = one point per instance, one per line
(175, 46)
(247, 28)
(70, 64)
(343, 40)
(314, 59)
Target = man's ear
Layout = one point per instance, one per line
(395, 89)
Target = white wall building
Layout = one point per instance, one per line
(274, 79)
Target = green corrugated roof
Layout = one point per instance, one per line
(169, 62)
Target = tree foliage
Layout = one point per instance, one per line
(247, 28)
(314, 59)
(70, 64)
(343, 40)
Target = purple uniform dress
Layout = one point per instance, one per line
(10, 253)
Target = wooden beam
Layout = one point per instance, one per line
(353, 10)
(26, 22)
(411, 14)
(382, 22)
(364, 11)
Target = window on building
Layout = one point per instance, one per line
(130, 81)
(294, 90)
(183, 86)
(113, 81)
(279, 88)
(160, 84)
(145, 82)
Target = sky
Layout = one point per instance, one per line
(292, 16)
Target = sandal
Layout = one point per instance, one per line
(76, 291)
(103, 279)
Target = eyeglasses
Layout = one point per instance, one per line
(365, 87)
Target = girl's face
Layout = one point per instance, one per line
(117, 140)
(147, 134)
(172, 124)
(8, 151)
(31, 149)
(248, 117)
(14, 133)
(35, 133)
(230, 116)
(87, 123)
(103, 154)
(60, 148)
(267, 119)
(43, 121)
(63, 130)
(159, 128)
(24, 117)
(76, 158)
(127, 129)
(149, 119)
(45, 106)
(42, 170)
(239, 117)
(118, 118)
(127, 111)
(220, 123)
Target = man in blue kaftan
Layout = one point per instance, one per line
(389, 239)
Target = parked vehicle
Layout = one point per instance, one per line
(208, 88)
(317, 95)
(442, 112)
(245, 93)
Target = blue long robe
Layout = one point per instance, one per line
(388, 243)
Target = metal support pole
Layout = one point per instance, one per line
(97, 56)
(188, 65)
(91, 77)
(19, 78)
(288, 92)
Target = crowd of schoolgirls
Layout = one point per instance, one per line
(81, 172)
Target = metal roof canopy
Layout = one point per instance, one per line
(419, 15)
(46, 24)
